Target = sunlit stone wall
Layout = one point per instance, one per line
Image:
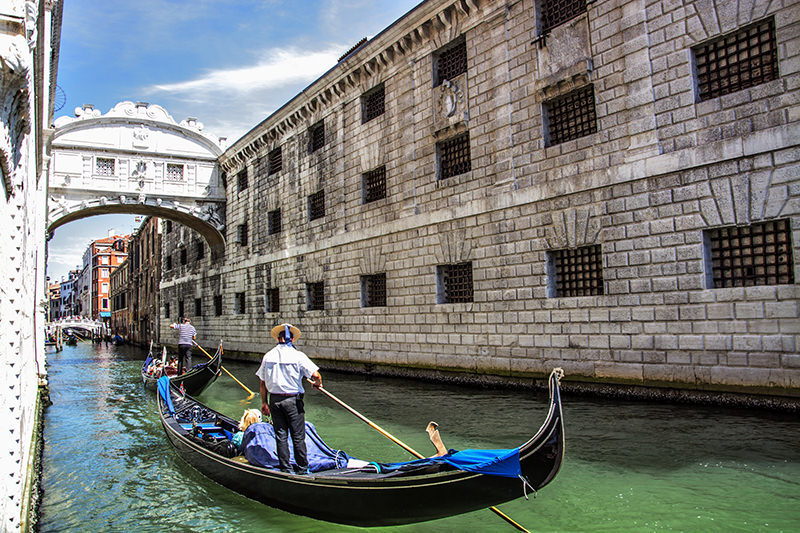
(655, 169)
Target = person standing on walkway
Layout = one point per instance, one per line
(186, 336)
(281, 373)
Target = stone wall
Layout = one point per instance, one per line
(661, 169)
(28, 30)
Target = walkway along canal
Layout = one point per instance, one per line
(629, 466)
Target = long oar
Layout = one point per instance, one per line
(226, 371)
(407, 448)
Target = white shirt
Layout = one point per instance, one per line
(283, 369)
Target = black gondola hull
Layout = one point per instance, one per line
(196, 380)
(378, 500)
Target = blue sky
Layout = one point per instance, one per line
(229, 63)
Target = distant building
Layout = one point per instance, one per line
(100, 259)
(69, 293)
(54, 300)
(135, 285)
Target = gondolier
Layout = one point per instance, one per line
(281, 373)
(186, 336)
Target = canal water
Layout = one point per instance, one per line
(628, 466)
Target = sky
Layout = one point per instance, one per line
(228, 63)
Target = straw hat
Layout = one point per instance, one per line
(277, 329)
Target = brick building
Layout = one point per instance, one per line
(497, 188)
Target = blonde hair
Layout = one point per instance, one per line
(250, 416)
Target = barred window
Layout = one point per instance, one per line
(168, 266)
(450, 61)
(571, 116)
(198, 307)
(201, 249)
(241, 180)
(744, 256)
(274, 222)
(168, 226)
(744, 58)
(316, 205)
(557, 12)
(454, 156)
(372, 103)
(373, 184)
(275, 160)
(174, 172)
(180, 309)
(317, 136)
(217, 305)
(241, 234)
(105, 166)
(454, 283)
(166, 311)
(272, 300)
(183, 256)
(315, 296)
(575, 271)
(240, 303)
(373, 290)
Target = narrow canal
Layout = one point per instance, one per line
(628, 467)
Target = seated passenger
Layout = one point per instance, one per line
(250, 417)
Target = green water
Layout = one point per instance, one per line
(628, 466)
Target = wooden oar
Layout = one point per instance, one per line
(407, 448)
(226, 371)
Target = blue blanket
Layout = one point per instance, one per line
(503, 463)
(260, 448)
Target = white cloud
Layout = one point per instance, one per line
(280, 68)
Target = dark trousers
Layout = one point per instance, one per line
(184, 357)
(289, 414)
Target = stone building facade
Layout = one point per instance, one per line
(29, 45)
(119, 298)
(497, 188)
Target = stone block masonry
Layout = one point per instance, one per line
(585, 240)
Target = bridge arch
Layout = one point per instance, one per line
(137, 159)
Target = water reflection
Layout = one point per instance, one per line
(629, 466)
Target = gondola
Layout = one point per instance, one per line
(196, 380)
(416, 491)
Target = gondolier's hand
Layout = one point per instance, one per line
(316, 380)
(265, 408)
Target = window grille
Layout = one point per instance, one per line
(174, 172)
(105, 166)
(571, 115)
(273, 300)
(274, 222)
(373, 290)
(240, 303)
(275, 160)
(241, 234)
(169, 263)
(454, 156)
(217, 305)
(166, 311)
(738, 60)
(557, 12)
(455, 283)
(180, 309)
(183, 256)
(317, 133)
(451, 61)
(241, 180)
(758, 254)
(373, 184)
(198, 307)
(316, 205)
(577, 271)
(372, 103)
(201, 249)
(315, 296)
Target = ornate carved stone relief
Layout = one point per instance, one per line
(451, 107)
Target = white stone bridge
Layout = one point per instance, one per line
(94, 327)
(136, 159)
